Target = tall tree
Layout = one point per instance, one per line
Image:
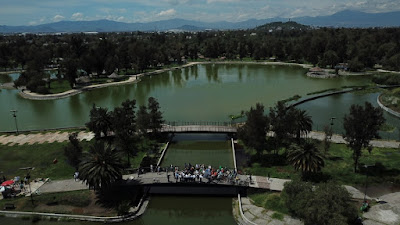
(327, 138)
(254, 131)
(325, 204)
(124, 127)
(281, 123)
(143, 119)
(100, 121)
(302, 122)
(101, 166)
(73, 151)
(155, 116)
(306, 158)
(330, 204)
(70, 69)
(361, 125)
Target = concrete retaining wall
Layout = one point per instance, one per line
(394, 113)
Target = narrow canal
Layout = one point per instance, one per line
(208, 149)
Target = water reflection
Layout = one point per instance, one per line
(199, 93)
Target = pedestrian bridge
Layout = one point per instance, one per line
(160, 183)
(199, 127)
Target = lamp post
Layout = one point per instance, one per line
(28, 176)
(14, 113)
(366, 181)
(332, 118)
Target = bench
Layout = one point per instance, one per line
(9, 206)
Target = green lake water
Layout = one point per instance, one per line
(167, 210)
(198, 93)
(186, 148)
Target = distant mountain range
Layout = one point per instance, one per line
(346, 18)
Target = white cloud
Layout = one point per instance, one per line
(32, 23)
(223, 1)
(169, 12)
(121, 18)
(57, 18)
(77, 16)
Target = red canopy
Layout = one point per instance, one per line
(7, 183)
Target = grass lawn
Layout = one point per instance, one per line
(271, 201)
(339, 166)
(58, 86)
(215, 153)
(40, 156)
(74, 202)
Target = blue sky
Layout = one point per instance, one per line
(34, 12)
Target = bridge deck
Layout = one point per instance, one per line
(161, 178)
(199, 128)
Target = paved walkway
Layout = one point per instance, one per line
(40, 138)
(386, 211)
(259, 215)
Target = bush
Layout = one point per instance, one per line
(42, 90)
(386, 79)
(36, 218)
(329, 203)
(277, 216)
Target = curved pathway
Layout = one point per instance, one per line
(132, 79)
(387, 109)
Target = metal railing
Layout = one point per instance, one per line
(199, 126)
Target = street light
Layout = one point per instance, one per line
(27, 177)
(366, 181)
(332, 118)
(14, 112)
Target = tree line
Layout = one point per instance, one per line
(77, 54)
(119, 134)
(288, 125)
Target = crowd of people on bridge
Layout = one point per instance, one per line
(200, 172)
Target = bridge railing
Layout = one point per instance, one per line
(201, 123)
(155, 169)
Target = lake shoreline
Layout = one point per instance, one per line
(136, 78)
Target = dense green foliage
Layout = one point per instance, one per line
(361, 125)
(327, 203)
(101, 166)
(254, 131)
(306, 157)
(386, 79)
(73, 151)
(102, 54)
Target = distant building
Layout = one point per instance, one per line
(342, 66)
(316, 71)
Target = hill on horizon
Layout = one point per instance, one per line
(347, 18)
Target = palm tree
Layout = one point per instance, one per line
(101, 166)
(100, 121)
(306, 158)
(302, 122)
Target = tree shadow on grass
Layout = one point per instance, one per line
(122, 193)
(269, 160)
(316, 177)
(378, 170)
